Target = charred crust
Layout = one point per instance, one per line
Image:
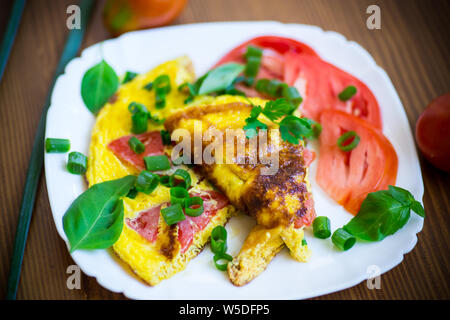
(168, 248)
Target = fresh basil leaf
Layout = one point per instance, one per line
(383, 213)
(417, 207)
(95, 218)
(99, 83)
(220, 78)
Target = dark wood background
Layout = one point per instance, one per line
(413, 46)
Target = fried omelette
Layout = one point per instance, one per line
(281, 203)
(152, 249)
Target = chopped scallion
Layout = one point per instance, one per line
(348, 141)
(129, 76)
(178, 195)
(347, 93)
(54, 145)
(321, 227)
(222, 256)
(77, 163)
(157, 163)
(136, 145)
(196, 202)
(146, 182)
(173, 214)
(342, 239)
(139, 122)
(219, 240)
(181, 174)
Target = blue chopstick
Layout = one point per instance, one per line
(10, 33)
(73, 43)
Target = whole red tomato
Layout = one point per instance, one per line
(433, 132)
(126, 15)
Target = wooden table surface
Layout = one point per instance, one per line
(412, 46)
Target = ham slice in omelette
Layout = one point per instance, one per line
(281, 203)
(152, 249)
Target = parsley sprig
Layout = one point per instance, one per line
(292, 128)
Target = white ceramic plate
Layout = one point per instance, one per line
(329, 270)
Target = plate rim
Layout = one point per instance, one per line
(361, 50)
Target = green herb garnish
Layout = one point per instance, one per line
(95, 219)
(347, 93)
(383, 213)
(292, 128)
(54, 145)
(99, 83)
(129, 75)
(77, 163)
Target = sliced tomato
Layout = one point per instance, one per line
(349, 176)
(153, 146)
(146, 223)
(273, 60)
(319, 83)
(310, 213)
(212, 202)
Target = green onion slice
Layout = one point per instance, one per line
(304, 242)
(317, 129)
(54, 145)
(351, 136)
(252, 66)
(178, 195)
(164, 180)
(157, 163)
(342, 239)
(253, 52)
(165, 135)
(132, 193)
(160, 100)
(139, 122)
(292, 94)
(135, 107)
(149, 86)
(196, 202)
(321, 227)
(129, 75)
(136, 145)
(162, 84)
(347, 93)
(222, 256)
(146, 182)
(173, 214)
(180, 174)
(77, 163)
(219, 240)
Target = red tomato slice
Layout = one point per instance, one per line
(146, 223)
(212, 202)
(349, 176)
(309, 215)
(275, 45)
(320, 83)
(153, 146)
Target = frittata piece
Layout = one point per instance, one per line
(152, 249)
(280, 202)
